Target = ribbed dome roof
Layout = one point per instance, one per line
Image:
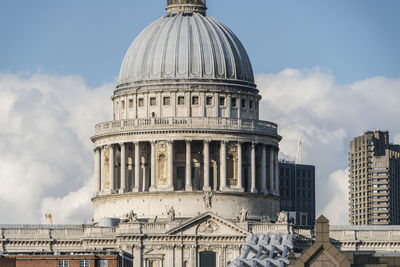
(186, 47)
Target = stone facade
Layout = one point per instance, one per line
(185, 170)
(186, 133)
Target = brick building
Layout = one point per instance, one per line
(68, 259)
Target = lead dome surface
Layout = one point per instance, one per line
(186, 47)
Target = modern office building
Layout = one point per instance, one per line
(374, 184)
(297, 191)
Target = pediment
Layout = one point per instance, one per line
(208, 224)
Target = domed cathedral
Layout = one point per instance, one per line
(186, 144)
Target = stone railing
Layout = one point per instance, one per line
(382, 233)
(40, 231)
(201, 123)
(275, 228)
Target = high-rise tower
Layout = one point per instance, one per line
(374, 164)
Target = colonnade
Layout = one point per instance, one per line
(261, 163)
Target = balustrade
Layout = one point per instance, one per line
(187, 122)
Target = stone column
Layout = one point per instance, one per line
(240, 167)
(111, 168)
(153, 166)
(223, 166)
(123, 168)
(271, 170)
(253, 168)
(97, 172)
(103, 182)
(137, 167)
(171, 165)
(264, 170)
(137, 255)
(188, 168)
(276, 173)
(206, 161)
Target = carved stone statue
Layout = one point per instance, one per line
(282, 217)
(171, 214)
(132, 217)
(243, 215)
(207, 197)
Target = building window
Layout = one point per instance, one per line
(141, 102)
(153, 101)
(123, 104)
(222, 101)
(63, 263)
(166, 101)
(250, 104)
(181, 100)
(233, 102)
(243, 103)
(130, 103)
(209, 100)
(102, 263)
(195, 100)
(84, 263)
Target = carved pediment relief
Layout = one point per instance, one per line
(208, 224)
(207, 227)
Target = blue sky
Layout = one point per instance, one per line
(317, 63)
(354, 39)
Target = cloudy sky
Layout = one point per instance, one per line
(327, 71)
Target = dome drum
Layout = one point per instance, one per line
(186, 133)
(161, 170)
(185, 104)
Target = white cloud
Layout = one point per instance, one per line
(46, 151)
(337, 208)
(46, 164)
(311, 105)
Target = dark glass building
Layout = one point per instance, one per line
(297, 191)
